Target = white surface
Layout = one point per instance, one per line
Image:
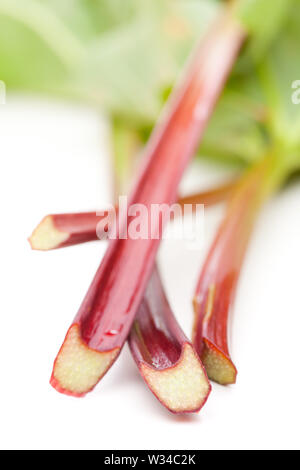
(53, 159)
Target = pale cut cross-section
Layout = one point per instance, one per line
(183, 387)
(219, 368)
(46, 236)
(78, 368)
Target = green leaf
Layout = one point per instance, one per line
(129, 68)
(278, 73)
(115, 54)
(256, 112)
(264, 20)
(124, 56)
(233, 133)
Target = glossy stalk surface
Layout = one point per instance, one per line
(103, 322)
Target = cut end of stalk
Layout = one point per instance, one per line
(46, 236)
(78, 368)
(218, 366)
(182, 388)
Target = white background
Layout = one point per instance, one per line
(53, 159)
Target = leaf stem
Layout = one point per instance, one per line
(216, 288)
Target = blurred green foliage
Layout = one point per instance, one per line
(119, 54)
(124, 57)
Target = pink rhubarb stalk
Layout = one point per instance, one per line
(165, 357)
(61, 230)
(105, 317)
(215, 292)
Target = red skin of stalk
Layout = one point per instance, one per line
(116, 292)
(215, 292)
(81, 227)
(160, 341)
(155, 337)
(84, 227)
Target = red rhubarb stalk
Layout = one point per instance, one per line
(210, 197)
(215, 292)
(165, 357)
(61, 230)
(103, 322)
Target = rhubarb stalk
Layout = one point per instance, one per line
(104, 319)
(215, 292)
(165, 357)
(61, 230)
